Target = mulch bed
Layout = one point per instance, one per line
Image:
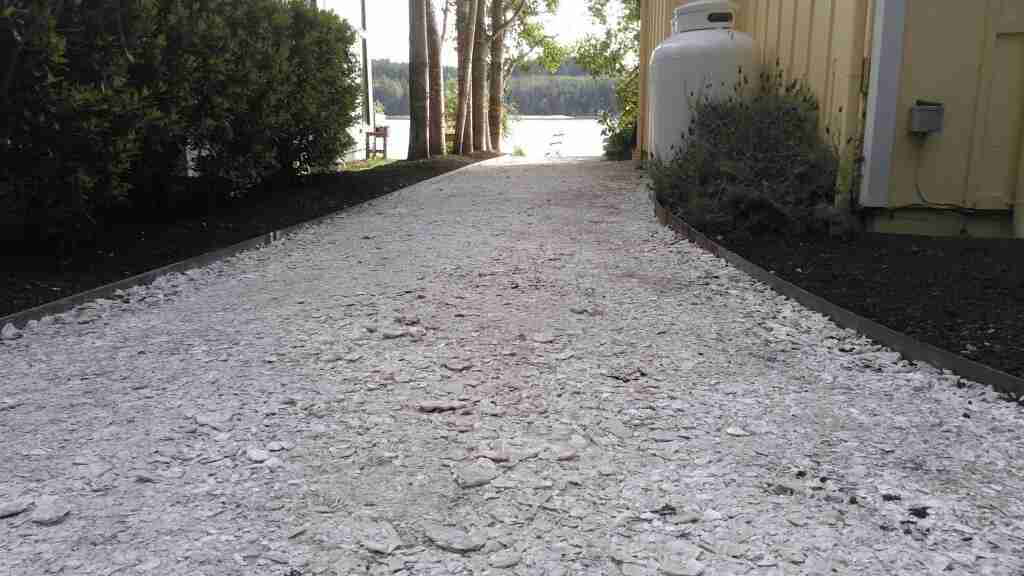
(965, 295)
(31, 277)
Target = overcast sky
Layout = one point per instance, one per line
(388, 24)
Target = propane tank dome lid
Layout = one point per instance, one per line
(704, 15)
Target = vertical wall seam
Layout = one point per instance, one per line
(830, 65)
(792, 41)
(810, 42)
(979, 93)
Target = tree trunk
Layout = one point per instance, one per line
(496, 92)
(419, 137)
(480, 78)
(465, 25)
(437, 143)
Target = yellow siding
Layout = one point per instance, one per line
(970, 57)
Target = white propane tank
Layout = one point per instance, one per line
(703, 57)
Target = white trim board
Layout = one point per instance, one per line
(883, 98)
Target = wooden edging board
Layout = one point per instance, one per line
(909, 347)
(20, 319)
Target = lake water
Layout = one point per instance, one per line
(537, 136)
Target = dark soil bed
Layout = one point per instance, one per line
(965, 295)
(33, 275)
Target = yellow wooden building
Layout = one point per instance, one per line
(871, 64)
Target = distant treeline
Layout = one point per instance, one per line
(532, 90)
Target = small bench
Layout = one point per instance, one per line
(373, 135)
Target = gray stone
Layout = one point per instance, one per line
(430, 406)
(477, 473)
(49, 511)
(217, 420)
(276, 558)
(10, 404)
(14, 507)
(505, 559)
(275, 446)
(257, 455)
(687, 568)
(456, 365)
(736, 431)
(543, 338)
(394, 333)
(618, 429)
(561, 453)
(453, 539)
(379, 537)
(10, 332)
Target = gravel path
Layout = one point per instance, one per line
(509, 370)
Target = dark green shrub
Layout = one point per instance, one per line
(753, 165)
(102, 99)
(619, 138)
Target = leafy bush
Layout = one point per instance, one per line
(754, 165)
(102, 99)
(619, 137)
(619, 130)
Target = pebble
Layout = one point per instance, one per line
(257, 455)
(499, 455)
(452, 539)
(618, 429)
(561, 453)
(711, 515)
(275, 446)
(276, 558)
(457, 365)
(10, 332)
(14, 507)
(505, 559)
(543, 338)
(393, 333)
(735, 431)
(49, 511)
(379, 537)
(430, 406)
(217, 420)
(10, 404)
(478, 473)
(688, 568)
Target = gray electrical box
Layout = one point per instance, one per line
(927, 117)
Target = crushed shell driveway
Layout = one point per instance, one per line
(508, 370)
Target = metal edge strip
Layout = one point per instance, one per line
(20, 319)
(909, 347)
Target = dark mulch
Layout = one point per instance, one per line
(965, 295)
(31, 275)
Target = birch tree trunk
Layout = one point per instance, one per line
(436, 112)
(465, 26)
(418, 81)
(480, 135)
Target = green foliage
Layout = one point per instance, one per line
(615, 54)
(106, 96)
(519, 151)
(754, 165)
